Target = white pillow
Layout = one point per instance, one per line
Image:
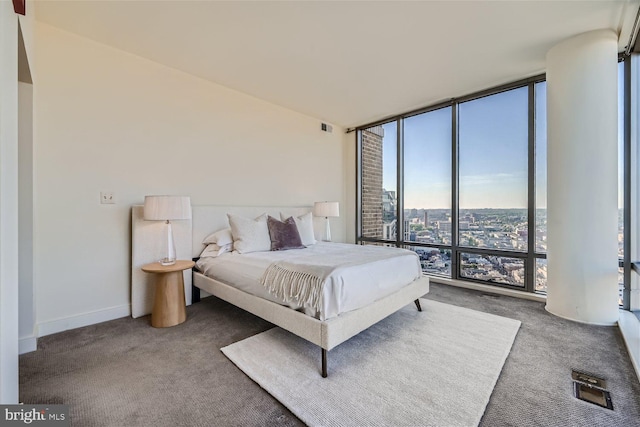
(250, 235)
(305, 227)
(221, 237)
(213, 250)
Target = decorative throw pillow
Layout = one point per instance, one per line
(305, 227)
(249, 235)
(220, 237)
(284, 234)
(213, 250)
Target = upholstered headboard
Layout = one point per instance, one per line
(207, 219)
(147, 238)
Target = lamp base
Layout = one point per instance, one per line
(170, 253)
(327, 231)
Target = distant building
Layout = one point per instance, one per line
(388, 205)
(512, 266)
(444, 226)
(426, 218)
(390, 231)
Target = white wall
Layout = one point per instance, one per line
(26, 313)
(108, 120)
(8, 204)
(350, 187)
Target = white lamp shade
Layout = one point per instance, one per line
(326, 209)
(162, 208)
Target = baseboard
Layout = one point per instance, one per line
(27, 345)
(84, 319)
(489, 289)
(630, 327)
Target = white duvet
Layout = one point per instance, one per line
(347, 287)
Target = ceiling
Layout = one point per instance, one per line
(348, 63)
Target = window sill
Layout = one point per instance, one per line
(489, 289)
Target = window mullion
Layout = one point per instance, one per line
(530, 263)
(626, 293)
(455, 273)
(400, 183)
(358, 185)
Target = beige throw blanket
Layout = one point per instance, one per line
(301, 279)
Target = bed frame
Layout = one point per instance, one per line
(326, 334)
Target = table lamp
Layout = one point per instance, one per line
(327, 210)
(167, 208)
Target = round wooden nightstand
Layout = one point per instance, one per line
(169, 303)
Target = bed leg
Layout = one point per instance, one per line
(418, 305)
(195, 294)
(324, 363)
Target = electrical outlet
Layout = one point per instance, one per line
(107, 198)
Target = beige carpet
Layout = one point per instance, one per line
(432, 368)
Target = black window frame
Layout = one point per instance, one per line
(530, 257)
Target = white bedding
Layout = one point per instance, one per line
(347, 288)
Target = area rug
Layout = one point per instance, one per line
(437, 367)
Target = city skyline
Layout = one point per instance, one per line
(492, 157)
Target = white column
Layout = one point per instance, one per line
(582, 168)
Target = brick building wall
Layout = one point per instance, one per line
(372, 182)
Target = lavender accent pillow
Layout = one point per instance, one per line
(284, 234)
(305, 228)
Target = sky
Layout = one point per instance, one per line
(492, 153)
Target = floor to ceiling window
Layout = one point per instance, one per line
(631, 291)
(622, 183)
(493, 183)
(379, 182)
(540, 146)
(462, 185)
(427, 188)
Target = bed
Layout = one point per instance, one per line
(334, 319)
